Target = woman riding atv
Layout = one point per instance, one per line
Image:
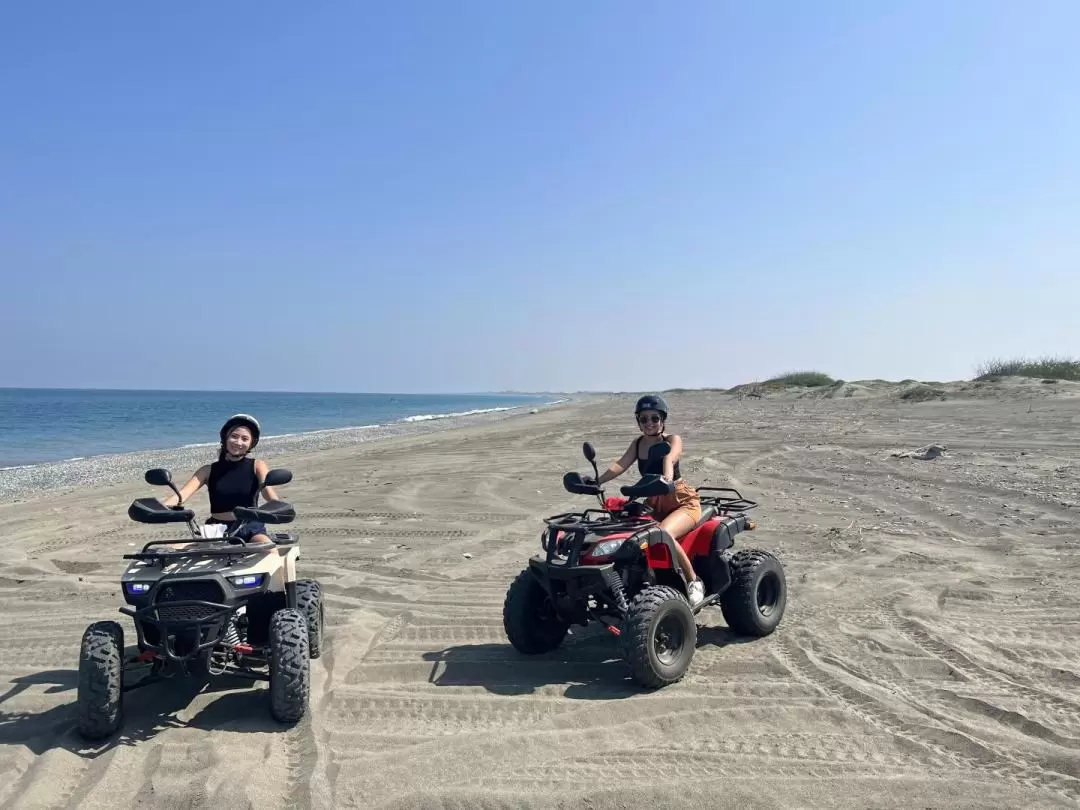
(678, 512)
(233, 480)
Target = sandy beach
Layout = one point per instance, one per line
(929, 657)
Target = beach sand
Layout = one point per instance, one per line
(929, 657)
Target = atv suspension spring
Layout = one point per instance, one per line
(218, 659)
(231, 637)
(615, 584)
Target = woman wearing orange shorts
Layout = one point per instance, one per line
(678, 512)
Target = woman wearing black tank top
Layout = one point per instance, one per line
(234, 479)
(678, 512)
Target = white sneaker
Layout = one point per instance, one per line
(697, 592)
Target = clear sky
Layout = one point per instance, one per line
(558, 195)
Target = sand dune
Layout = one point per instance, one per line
(930, 655)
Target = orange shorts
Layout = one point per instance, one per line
(683, 499)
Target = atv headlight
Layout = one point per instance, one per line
(606, 548)
(139, 588)
(248, 580)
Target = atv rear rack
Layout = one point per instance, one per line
(726, 503)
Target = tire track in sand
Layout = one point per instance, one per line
(936, 739)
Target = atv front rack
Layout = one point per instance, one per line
(581, 521)
(235, 549)
(165, 556)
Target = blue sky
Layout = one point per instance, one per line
(428, 196)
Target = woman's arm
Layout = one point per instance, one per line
(191, 487)
(670, 459)
(261, 470)
(617, 468)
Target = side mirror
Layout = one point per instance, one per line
(589, 451)
(159, 477)
(277, 477)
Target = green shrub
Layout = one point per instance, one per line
(1045, 368)
(805, 379)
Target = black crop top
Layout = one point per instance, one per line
(644, 468)
(232, 484)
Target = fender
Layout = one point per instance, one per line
(698, 541)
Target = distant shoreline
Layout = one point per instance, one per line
(44, 426)
(29, 481)
(284, 392)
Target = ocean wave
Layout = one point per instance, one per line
(427, 417)
(320, 431)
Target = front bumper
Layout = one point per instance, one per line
(184, 629)
(570, 586)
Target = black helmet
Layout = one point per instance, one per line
(652, 402)
(248, 421)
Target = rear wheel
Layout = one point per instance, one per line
(529, 618)
(101, 672)
(659, 636)
(309, 601)
(754, 603)
(290, 665)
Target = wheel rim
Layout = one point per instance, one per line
(768, 594)
(668, 639)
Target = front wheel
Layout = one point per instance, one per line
(659, 636)
(309, 600)
(754, 603)
(529, 618)
(101, 672)
(290, 665)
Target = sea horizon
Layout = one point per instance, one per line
(481, 393)
(48, 425)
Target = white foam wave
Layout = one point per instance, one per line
(427, 417)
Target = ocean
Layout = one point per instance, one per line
(44, 425)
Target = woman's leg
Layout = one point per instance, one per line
(677, 524)
(253, 534)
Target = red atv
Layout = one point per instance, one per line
(615, 565)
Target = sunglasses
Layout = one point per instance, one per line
(645, 420)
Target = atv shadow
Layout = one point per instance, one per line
(720, 637)
(590, 664)
(241, 707)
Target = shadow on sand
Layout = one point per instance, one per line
(242, 707)
(589, 664)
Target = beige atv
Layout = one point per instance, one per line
(205, 607)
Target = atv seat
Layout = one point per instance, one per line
(708, 512)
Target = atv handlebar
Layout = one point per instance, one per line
(269, 512)
(575, 484)
(650, 486)
(151, 510)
